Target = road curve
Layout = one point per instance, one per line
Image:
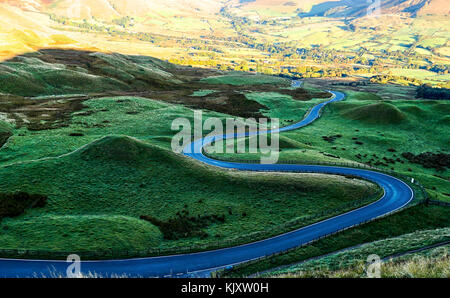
(396, 195)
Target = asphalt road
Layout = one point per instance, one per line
(396, 195)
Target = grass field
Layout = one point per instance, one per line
(355, 257)
(5, 132)
(104, 159)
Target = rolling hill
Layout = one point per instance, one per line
(344, 8)
(109, 9)
(241, 35)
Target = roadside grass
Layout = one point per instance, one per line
(410, 220)
(434, 263)
(353, 257)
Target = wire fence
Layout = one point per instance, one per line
(243, 239)
(419, 192)
(223, 271)
(438, 203)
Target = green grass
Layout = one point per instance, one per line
(120, 178)
(377, 125)
(102, 185)
(433, 263)
(404, 222)
(201, 93)
(376, 113)
(79, 233)
(351, 95)
(246, 79)
(97, 72)
(383, 248)
(282, 106)
(33, 77)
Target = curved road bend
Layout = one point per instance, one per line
(396, 195)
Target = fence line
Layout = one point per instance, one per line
(438, 203)
(219, 273)
(248, 238)
(420, 197)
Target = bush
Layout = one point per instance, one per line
(426, 91)
(438, 161)
(12, 205)
(184, 226)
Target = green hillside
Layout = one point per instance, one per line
(56, 72)
(97, 194)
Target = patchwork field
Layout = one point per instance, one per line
(271, 38)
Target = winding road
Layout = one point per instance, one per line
(397, 194)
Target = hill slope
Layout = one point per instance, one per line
(345, 8)
(64, 71)
(97, 194)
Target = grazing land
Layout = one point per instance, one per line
(367, 129)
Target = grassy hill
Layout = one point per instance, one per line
(369, 130)
(82, 138)
(377, 113)
(91, 132)
(261, 36)
(97, 194)
(56, 72)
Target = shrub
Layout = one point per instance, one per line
(12, 205)
(183, 225)
(438, 161)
